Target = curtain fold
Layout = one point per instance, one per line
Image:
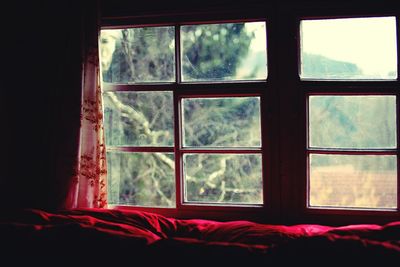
(87, 187)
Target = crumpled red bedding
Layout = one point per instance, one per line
(98, 236)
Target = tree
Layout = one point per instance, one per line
(214, 51)
(211, 52)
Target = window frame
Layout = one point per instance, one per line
(312, 87)
(285, 105)
(197, 89)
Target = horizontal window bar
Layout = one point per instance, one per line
(354, 211)
(182, 18)
(109, 87)
(350, 92)
(352, 151)
(351, 210)
(192, 204)
(230, 85)
(347, 85)
(140, 149)
(186, 150)
(221, 93)
(221, 150)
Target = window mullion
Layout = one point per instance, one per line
(177, 146)
(177, 123)
(177, 54)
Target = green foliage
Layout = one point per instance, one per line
(138, 118)
(213, 52)
(142, 55)
(141, 179)
(145, 118)
(220, 178)
(218, 122)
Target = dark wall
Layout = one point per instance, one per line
(39, 97)
(41, 79)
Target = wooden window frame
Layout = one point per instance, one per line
(314, 87)
(180, 90)
(283, 105)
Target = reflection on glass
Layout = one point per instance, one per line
(222, 122)
(141, 179)
(352, 48)
(138, 55)
(223, 178)
(353, 181)
(352, 121)
(229, 51)
(138, 118)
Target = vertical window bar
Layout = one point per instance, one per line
(397, 125)
(178, 53)
(398, 47)
(397, 112)
(177, 139)
(177, 145)
(264, 177)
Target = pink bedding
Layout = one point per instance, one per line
(122, 237)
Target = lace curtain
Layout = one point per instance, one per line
(88, 183)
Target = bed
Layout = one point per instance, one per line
(126, 238)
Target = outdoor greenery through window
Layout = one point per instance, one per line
(224, 123)
(244, 56)
(362, 124)
(193, 117)
(352, 137)
(138, 55)
(214, 145)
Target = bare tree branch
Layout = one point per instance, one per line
(132, 114)
(157, 187)
(223, 191)
(221, 171)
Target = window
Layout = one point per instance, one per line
(346, 169)
(352, 130)
(199, 123)
(349, 49)
(183, 114)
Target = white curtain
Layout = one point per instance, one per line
(88, 187)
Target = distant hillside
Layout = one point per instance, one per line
(316, 66)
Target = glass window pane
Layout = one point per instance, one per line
(221, 122)
(229, 51)
(353, 181)
(352, 48)
(223, 178)
(138, 118)
(352, 122)
(138, 55)
(141, 179)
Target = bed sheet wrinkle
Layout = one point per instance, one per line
(159, 225)
(149, 236)
(245, 232)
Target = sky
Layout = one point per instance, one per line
(259, 41)
(368, 42)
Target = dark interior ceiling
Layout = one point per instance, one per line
(133, 8)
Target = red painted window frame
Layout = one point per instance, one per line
(284, 127)
(195, 90)
(343, 87)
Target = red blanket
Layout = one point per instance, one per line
(132, 236)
